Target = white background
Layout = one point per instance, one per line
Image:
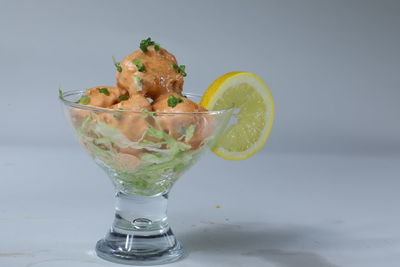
(322, 193)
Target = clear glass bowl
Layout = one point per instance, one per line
(143, 153)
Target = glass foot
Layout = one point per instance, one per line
(140, 234)
(140, 250)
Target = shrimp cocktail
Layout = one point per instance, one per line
(146, 131)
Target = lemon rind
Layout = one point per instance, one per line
(215, 91)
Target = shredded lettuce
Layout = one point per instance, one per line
(83, 130)
(189, 132)
(161, 161)
(113, 135)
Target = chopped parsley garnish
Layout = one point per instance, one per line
(117, 65)
(123, 97)
(148, 42)
(139, 64)
(118, 114)
(104, 91)
(60, 93)
(84, 100)
(173, 101)
(179, 69)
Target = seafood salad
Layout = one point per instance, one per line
(144, 131)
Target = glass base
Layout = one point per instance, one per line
(140, 234)
(140, 250)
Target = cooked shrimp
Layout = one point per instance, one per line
(177, 125)
(150, 73)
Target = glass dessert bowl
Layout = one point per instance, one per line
(143, 153)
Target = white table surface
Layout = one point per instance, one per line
(283, 210)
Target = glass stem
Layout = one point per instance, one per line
(140, 215)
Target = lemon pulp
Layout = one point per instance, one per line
(253, 116)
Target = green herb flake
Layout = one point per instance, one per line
(117, 115)
(179, 69)
(117, 65)
(84, 100)
(139, 65)
(123, 97)
(157, 47)
(104, 91)
(60, 93)
(173, 101)
(146, 43)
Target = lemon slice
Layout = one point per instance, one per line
(253, 116)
